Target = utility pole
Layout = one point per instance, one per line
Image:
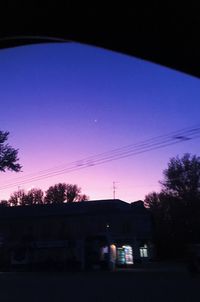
(114, 189)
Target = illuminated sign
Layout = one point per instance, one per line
(125, 255)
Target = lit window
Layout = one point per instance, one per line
(143, 251)
(105, 249)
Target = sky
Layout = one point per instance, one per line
(64, 102)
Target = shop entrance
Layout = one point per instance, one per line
(124, 255)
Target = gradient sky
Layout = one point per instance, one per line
(64, 102)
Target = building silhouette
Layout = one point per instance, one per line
(99, 234)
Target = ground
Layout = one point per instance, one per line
(159, 283)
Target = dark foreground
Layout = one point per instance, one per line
(134, 285)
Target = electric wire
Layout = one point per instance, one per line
(112, 155)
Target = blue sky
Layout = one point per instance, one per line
(64, 102)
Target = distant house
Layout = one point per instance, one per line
(82, 235)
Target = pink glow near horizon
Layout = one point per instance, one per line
(68, 102)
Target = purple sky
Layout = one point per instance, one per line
(65, 102)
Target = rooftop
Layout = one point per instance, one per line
(104, 206)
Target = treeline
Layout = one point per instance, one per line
(59, 193)
(176, 208)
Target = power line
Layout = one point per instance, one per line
(179, 135)
(112, 155)
(72, 169)
(76, 165)
(176, 134)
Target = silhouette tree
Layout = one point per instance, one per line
(176, 209)
(82, 197)
(182, 177)
(152, 200)
(62, 192)
(56, 193)
(72, 193)
(34, 196)
(165, 211)
(17, 198)
(8, 155)
(4, 203)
